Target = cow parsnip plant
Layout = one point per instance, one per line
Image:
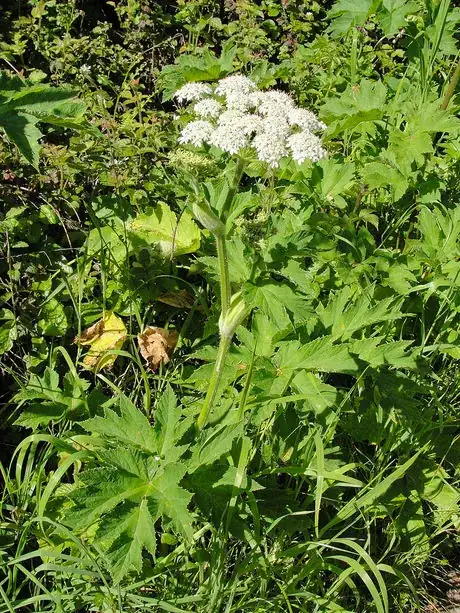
(312, 298)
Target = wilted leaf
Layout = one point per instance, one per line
(107, 334)
(180, 300)
(156, 345)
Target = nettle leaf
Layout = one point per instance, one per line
(160, 228)
(345, 14)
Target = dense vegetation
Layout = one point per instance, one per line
(229, 386)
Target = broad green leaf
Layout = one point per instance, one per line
(46, 401)
(167, 426)
(215, 442)
(126, 496)
(343, 319)
(345, 14)
(22, 130)
(337, 177)
(320, 355)
(128, 426)
(392, 15)
(358, 108)
(407, 148)
(378, 174)
(23, 105)
(159, 227)
(8, 334)
(132, 530)
(274, 299)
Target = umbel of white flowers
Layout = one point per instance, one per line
(234, 114)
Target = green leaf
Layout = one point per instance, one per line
(274, 299)
(129, 426)
(406, 148)
(8, 334)
(133, 530)
(47, 402)
(319, 355)
(53, 319)
(343, 319)
(358, 108)
(167, 421)
(105, 243)
(392, 15)
(215, 443)
(160, 228)
(126, 496)
(23, 105)
(22, 130)
(345, 14)
(378, 174)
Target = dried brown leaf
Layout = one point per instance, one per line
(157, 345)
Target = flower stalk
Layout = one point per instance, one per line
(227, 326)
(231, 309)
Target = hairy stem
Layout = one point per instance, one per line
(225, 289)
(225, 299)
(224, 346)
(451, 87)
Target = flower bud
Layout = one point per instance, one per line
(234, 316)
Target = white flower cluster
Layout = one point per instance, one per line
(234, 114)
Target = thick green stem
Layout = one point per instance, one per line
(451, 87)
(225, 289)
(229, 323)
(224, 346)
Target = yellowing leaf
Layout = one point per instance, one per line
(156, 345)
(160, 227)
(105, 335)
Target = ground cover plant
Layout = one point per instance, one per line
(230, 320)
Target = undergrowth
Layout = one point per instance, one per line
(229, 386)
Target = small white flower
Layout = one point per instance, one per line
(233, 131)
(235, 115)
(269, 148)
(305, 146)
(275, 103)
(236, 89)
(305, 119)
(208, 108)
(192, 91)
(196, 133)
